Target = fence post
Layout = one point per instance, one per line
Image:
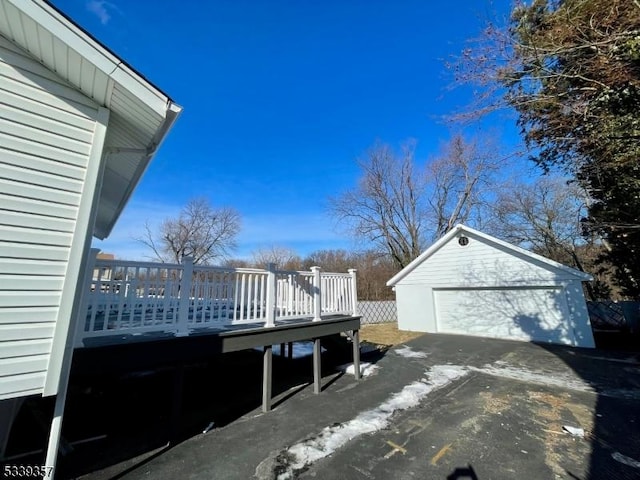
(271, 295)
(354, 292)
(317, 294)
(185, 297)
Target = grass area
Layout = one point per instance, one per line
(386, 334)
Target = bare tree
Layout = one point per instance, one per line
(569, 69)
(544, 215)
(399, 206)
(199, 231)
(236, 263)
(547, 217)
(387, 207)
(374, 269)
(330, 260)
(282, 257)
(458, 179)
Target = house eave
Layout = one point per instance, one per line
(101, 230)
(142, 114)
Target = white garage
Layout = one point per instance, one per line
(470, 283)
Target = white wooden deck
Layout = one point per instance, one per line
(128, 299)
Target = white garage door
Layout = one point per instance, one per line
(521, 314)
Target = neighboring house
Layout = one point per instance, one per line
(78, 127)
(470, 283)
(104, 273)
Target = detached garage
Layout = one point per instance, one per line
(470, 283)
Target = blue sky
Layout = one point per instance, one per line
(280, 98)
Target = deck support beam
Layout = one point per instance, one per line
(267, 367)
(355, 339)
(317, 366)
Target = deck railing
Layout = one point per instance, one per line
(125, 297)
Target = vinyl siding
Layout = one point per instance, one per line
(46, 135)
(481, 264)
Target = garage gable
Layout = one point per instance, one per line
(465, 257)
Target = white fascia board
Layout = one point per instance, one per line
(68, 33)
(93, 52)
(142, 90)
(583, 276)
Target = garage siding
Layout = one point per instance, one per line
(46, 135)
(414, 304)
(480, 264)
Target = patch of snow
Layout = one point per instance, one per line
(618, 457)
(626, 393)
(209, 427)
(300, 349)
(408, 352)
(575, 431)
(299, 456)
(366, 368)
(555, 379)
(630, 360)
(561, 380)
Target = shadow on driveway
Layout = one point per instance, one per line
(129, 418)
(614, 375)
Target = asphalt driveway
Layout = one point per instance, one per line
(440, 407)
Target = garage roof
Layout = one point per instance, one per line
(460, 230)
(141, 114)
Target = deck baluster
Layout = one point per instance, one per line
(182, 322)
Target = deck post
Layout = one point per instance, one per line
(271, 296)
(185, 297)
(354, 292)
(317, 366)
(355, 339)
(267, 365)
(317, 294)
(84, 296)
(55, 431)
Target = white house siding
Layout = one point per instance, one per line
(480, 264)
(46, 134)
